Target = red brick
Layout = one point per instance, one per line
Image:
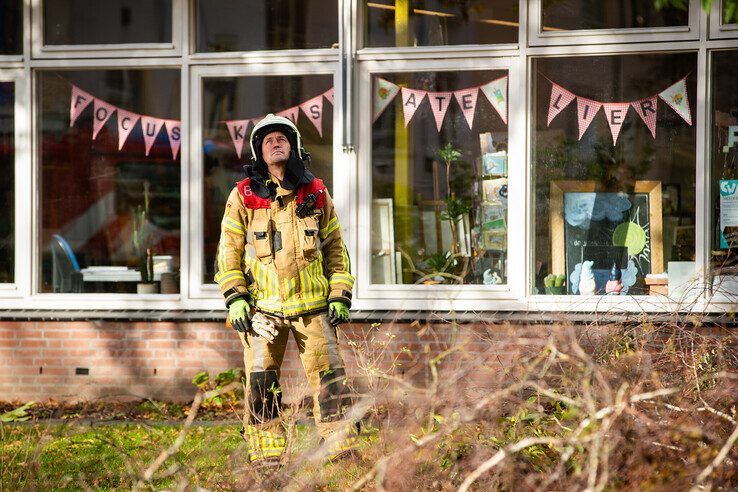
(55, 333)
(162, 344)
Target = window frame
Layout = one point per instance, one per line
(719, 30)
(440, 297)
(690, 32)
(209, 292)
(20, 287)
(39, 50)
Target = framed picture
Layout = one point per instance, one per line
(585, 220)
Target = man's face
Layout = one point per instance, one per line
(275, 148)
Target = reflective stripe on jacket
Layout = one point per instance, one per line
(288, 265)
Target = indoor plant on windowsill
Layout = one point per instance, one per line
(142, 246)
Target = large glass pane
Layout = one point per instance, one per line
(439, 22)
(624, 209)
(110, 205)
(70, 22)
(7, 182)
(724, 241)
(243, 100)
(439, 181)
(237, 25)
(565, 15)
(11, 27)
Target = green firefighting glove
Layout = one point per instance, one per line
(238, 314)
(338, 313)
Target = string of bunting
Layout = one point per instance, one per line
(615, 112)
(385, 91)
(312, 108)
(127, 120)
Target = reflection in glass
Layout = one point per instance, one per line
(237, 25)
(92, 193)
(11, 27)
(7, 182)
(724, 149)
(245, 98)
(437, 22)
(439, 208)
(566, 15)
(574, 226)
(70, 22)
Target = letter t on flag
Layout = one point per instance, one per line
(237, 130)
(439, 104)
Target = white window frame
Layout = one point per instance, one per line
(207, 293)
(718, 30)
(538, 37)
(174, 48)
(20, 286)
(440, 297)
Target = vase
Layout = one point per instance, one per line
(149, 288)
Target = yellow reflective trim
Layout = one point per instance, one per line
(342, 278)
(330, 227)
(233, 229)
(228, 277)
(234, 224)
(221, 254)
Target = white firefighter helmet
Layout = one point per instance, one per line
(272, 123)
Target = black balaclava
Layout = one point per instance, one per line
(295, 173)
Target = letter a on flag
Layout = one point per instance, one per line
(126, 122)
(646, 109)
(313, 109)
(439, 104)
(496, 92)
(80, 100)
(676, 97)
(237, 130)
(411, 99)
(615, 113)
(560, 99)
(384, 93)
(586, 109)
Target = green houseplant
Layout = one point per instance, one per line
(555, 284)
(142, 245)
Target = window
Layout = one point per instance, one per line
(439, 178)
(613, 158)
(92, 22)
(230, 107)
(723, 20)
(434, 23)
(724, 192)
(109, 180)
(236, 25)
(568, 15)
(7, 182)
(11, 27)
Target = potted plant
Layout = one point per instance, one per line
(142, 246)
(555, 284)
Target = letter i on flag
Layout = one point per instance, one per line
(560, 99)
(646, 109)
(676, 97)
(384, 93)
(615, 113)
(586, 110)
(411, 100)
(237, 130)
(80, 100)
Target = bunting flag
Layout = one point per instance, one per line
(560, 99)
(151, 127)
(646, 109)
(291, 113)
(496, 92)
(126, 122)
(102, 113)
(439, 104)
(467, 100)
(615, 114)
(174, 132)
(329, 95)
(676, 97)
(80, 100)
(313, 109)
(586, 110)
(411, 100)
(237, 131)
(384, 93)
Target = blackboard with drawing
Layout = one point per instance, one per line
(605, 227)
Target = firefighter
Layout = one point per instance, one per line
(283, 268)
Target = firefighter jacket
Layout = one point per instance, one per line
(285, 265)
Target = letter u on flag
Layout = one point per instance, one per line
(151, 127)
(676, 97)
